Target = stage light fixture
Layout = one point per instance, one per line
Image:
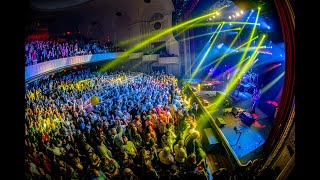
(259, 8)
(233, 16)
(237, 14)
(241, 12)
(220, 46)
(217, 13)
(213, 16)
(252, 10)
(209, 19)
(229, 17)
(268, 27)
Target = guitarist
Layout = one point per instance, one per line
(255, 99)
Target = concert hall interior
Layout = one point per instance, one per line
(160, 89)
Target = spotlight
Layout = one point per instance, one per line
(241, 12)
(209, 19)
(233, 16)
(213, 16)
(229, 17)
(271, 47)
(268, 27)
(220, 45)
(280, 55)
(217, 13)
(252, 10)
(237, 14)
(259, 8)
(230, 24)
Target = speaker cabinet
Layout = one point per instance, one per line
(209, 141)
(220, 121)
(234, 111)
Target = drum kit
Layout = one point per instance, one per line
(249, 77)
(249, 81)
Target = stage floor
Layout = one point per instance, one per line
(252, 138)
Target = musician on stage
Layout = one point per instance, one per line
(226, 76)
(237, 89)
(255, 99)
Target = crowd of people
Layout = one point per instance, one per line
(139, 129)
(55, 47)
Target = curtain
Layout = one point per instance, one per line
(286, 17)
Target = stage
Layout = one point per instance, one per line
(244, 137)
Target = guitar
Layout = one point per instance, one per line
(255, 95)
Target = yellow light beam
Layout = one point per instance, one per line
(205, 46)
(207, 52)
(251, 36)
(233, 80)
(234, 40)
(192, 37)
(136, 65)
(224, 55)
(167, 31)
(128, 41)
(227, 22)
(171, 39)
(273, 82)
(196, 60)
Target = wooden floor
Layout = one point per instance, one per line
(218, 160)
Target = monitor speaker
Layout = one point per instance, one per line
(234, 111)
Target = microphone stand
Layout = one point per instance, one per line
(240, 133)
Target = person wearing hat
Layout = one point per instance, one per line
(149, 121)
(166, 158)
